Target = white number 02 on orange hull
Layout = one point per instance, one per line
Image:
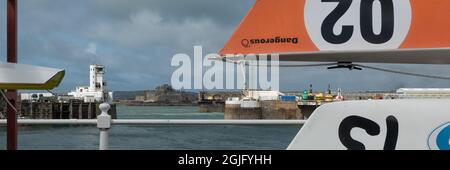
(373, 31)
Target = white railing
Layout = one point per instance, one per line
(104, 122)
(157, 122)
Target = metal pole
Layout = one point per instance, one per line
(104, 124)
(104, 139)
(12, 58)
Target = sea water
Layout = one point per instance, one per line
(157, 137)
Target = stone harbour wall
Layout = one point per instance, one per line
(273, 110)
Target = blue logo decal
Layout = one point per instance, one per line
(440, 138)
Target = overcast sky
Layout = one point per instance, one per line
(136, 39)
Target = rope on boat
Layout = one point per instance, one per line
(404, 73)
(7, 101)
(362, 66)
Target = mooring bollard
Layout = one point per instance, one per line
(104, 124)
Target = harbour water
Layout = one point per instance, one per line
(144, 137)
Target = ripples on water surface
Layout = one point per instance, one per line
(140, 137)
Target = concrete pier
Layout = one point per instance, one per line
(281, 110)
(236, 112)
(308, 110)
(61, 110)
(214, 101)
(265, 110)
(211, 106)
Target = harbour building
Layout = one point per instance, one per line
(97, 90)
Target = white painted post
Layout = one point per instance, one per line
(104, 124)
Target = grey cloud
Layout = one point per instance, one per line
(224, 12)
(136, 39)
(146, 28)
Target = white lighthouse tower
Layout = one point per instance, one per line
(96, 73)
(97, 90)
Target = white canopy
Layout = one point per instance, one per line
(19, 76)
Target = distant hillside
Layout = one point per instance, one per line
(127, 95)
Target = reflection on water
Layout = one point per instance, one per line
(157, 137)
